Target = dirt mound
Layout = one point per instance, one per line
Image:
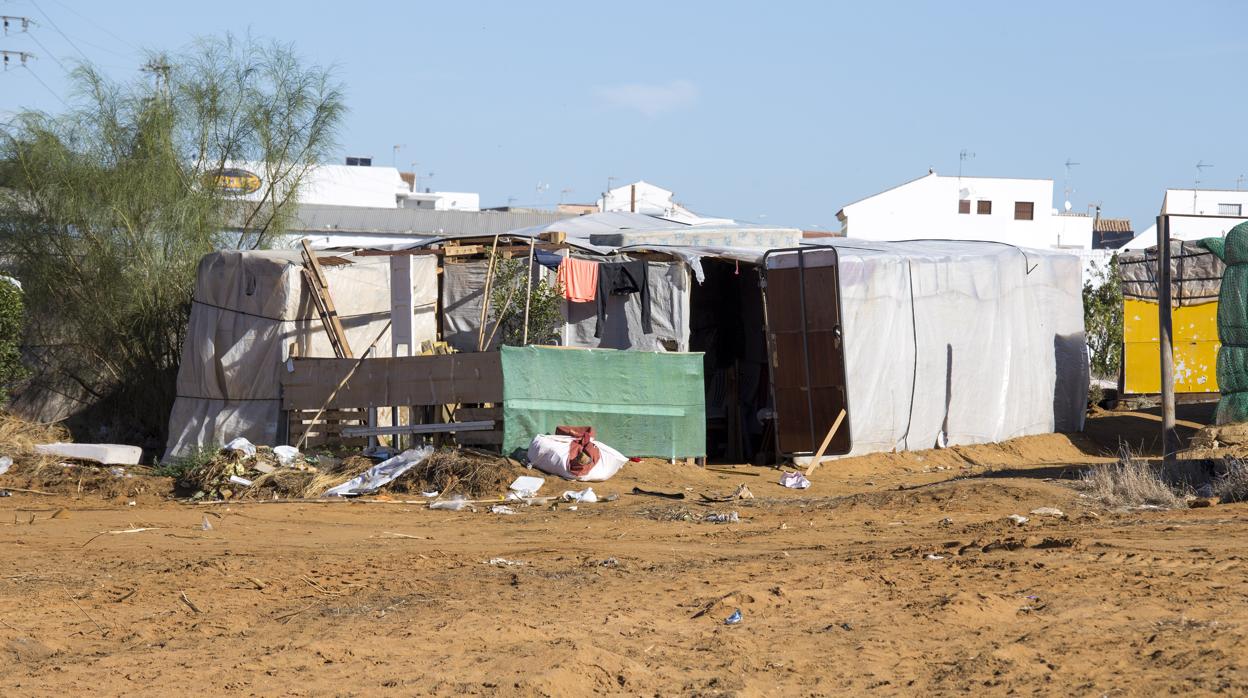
(1215, 442)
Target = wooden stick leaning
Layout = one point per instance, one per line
(485, 294)
(528, 293)
(334, 392)
(814, 463)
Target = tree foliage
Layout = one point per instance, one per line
(105, 210)
(12, 324)
(1102, 319)
(507, 297)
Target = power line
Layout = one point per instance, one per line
(58, 31)
(49, 53)
(45, 86)
(97, 25)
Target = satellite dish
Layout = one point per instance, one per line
(964, 193)
(1067, 206)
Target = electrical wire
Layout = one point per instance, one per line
(45, 86)
(97, 25)
(58, 31)
(48, 52)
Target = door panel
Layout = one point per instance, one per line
(807, 354)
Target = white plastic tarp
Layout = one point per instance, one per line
(249, 307)
(981, 341)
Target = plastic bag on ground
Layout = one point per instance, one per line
(381, 474)
(549, 454)
(586, 496)
(242, 446)
(795, 481)
(286, 455)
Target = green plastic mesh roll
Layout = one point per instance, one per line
(640, 403)
(1232, 324)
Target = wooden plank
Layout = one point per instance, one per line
(448, 428)
(474, 378)
(462, 250)
(314, 276)
(814, 463)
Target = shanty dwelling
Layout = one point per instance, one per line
(746, 344)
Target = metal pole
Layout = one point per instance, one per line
(1169, 438)
(801, 295)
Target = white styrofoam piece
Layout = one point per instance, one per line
(108, 454)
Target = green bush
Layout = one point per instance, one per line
(1102, 319)
(12, 327)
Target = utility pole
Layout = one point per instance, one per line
(160, 69)
(9, 22)
(22, 56)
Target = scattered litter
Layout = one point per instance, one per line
(132, 503)
(609, 562)
(243, 446)
(286, 455)
(664, 495)
(504, 562)
(263, 468)
(946, 521)
(241, 481)
(501, 509)
(431, 494)
(1048, 511)
(794, 481)
(105, 454)
(572, 508)
(934, 556)
(117, 471)
(730, 517)
(5, 493)
(734, 618)
(5, 464)
(1017, 519)
(206, 525)
(549, 454)
(456, 502)
(526, 485)
(742, 492)
(585, 496)
(381, 474)
(117, 533)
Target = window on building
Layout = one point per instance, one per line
(1230, 209)
(964, 206)
(983, 208)
(1024, 210)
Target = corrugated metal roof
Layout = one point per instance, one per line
(317, 219)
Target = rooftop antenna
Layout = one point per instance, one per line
(1200, 167)
(562, 192)
(1067, 191)
(394, 154)
(1238, 182)
(963, 156)
(608, 191)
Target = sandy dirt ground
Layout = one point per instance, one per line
(893, 574)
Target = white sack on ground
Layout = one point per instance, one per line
(985, 336)
(549, 454)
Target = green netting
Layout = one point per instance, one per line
(640, 403)
(1232, 324)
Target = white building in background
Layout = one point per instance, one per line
(355, 185)
(644, 197)
(1002, 209)
(1196, 214)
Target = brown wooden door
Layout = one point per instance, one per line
(803, 306)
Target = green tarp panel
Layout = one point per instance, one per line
(640, 403)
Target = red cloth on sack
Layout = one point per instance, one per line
(583, 453)
(579, 279)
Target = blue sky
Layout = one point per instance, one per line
(777, 112)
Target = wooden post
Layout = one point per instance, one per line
(528, 294)
(1169, 439)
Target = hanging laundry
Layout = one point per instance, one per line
(550, 260)
(579, 279)
(623, 278)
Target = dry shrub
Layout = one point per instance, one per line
(1232, 485)
(18, 438)
(1132, 482)
(467, 472)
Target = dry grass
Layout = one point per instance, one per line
(1232, 485)
(18, 438)
(1132, 482)
(471, 473)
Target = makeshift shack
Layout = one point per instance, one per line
(921, 343)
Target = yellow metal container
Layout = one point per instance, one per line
(1195, 348)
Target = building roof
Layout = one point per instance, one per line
(1112, 225)
(322, 219)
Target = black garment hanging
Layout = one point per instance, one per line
(621, 279)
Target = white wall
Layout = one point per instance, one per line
(928, 208)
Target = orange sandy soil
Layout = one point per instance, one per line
(835, 585)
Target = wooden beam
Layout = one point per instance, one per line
(314, 276)
(814, 463)
(449, 428)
